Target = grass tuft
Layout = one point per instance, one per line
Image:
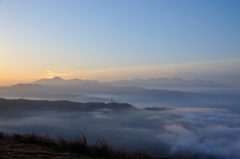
(103, 149)
(77, 144)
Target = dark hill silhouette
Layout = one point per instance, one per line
(37, 105)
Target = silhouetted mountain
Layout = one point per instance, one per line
(165, 82)
(96, 92)
(60, 81)
(36, 105)
(152, 82)
(74, 81)
(93, 86)
(55, 80)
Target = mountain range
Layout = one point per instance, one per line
(94, 91)
(165, 82)
(58, 80)
(148, 83)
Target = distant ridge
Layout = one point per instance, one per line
(148, 83)
(55, 80)
(30, 105)
(58, 80)
(165, 82)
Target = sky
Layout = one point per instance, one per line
(110, 40)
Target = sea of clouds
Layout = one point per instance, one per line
(196, 132)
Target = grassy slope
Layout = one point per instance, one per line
(26, 146)
(17, 150)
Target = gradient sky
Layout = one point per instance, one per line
(109, 40)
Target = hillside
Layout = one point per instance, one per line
(17, 150)
(22, 105)
(28, 146)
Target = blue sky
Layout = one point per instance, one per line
(89, 35)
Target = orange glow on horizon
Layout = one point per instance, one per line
(12, 76)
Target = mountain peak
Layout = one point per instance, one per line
(57, 78)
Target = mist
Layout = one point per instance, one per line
(204, 132)
(152, 75)
(200, 122)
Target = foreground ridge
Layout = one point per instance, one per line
(34, 145)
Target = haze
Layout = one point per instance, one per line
(158, 75)
(119, 40)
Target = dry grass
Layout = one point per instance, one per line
(76, 144)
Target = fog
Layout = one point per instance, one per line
(199, 122)
(202, 132)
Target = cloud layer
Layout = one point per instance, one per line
(203, 132)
